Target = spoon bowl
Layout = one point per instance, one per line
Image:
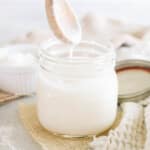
(63, 21)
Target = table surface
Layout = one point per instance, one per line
(13, 135)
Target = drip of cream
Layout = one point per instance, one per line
(71, 50)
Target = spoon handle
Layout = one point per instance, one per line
(52, 20)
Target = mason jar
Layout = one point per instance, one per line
(77, 89)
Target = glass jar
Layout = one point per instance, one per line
(77, 93)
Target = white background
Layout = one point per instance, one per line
(19, 16)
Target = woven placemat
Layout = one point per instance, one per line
(5, 97)
(47, 140)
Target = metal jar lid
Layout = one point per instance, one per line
(142, 65)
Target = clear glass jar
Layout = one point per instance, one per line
(77, 95)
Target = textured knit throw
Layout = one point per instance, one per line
(128, 135)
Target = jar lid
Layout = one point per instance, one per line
(134, 79)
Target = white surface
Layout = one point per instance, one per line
(13, 135)
(19, 16)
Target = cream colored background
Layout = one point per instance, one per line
(19, 16)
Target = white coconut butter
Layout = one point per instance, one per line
(77, 96)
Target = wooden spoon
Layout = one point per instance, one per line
(63, 21)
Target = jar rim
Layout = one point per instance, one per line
(108, 52)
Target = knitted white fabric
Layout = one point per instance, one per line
(130, 133)
(147, 122)
(145, 102)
